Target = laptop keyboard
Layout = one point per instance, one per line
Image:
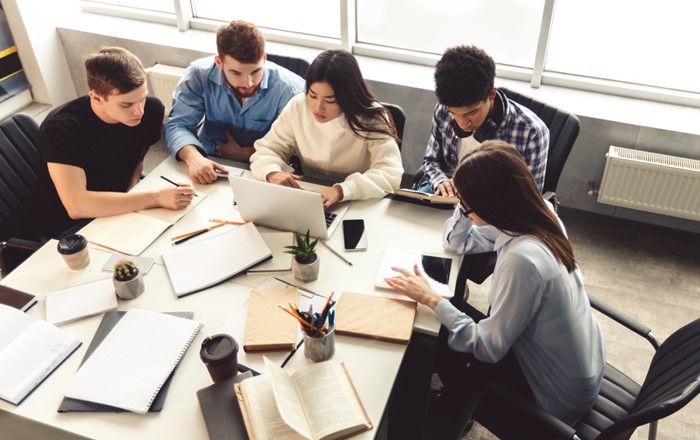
(329, 218)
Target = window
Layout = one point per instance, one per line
(636, 47)
(432, 26)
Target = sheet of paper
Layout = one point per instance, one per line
(129, 233)
(80, 301)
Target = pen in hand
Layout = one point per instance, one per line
(174, 183)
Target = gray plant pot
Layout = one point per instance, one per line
(129, 289)
(305, 272)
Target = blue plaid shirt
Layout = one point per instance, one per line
(520, 127)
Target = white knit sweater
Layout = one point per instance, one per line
(367, 168)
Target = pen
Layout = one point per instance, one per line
(198, 231)
(228, 222)
(170, 181)
(336, 252)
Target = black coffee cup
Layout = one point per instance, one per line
(75, 251)
(220, 354)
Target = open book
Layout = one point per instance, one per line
(29, 352)
(424, 198)
(318, 402)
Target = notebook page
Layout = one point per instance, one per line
(80, 301)
(129, 233)
(130, 366)
(32, 356)
(12, 323)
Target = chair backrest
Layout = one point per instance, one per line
(399, 117)
(296, 65)
(19, 135)
(563, 127)
(672, 381)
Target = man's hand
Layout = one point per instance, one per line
(414, 285)
(175, 198)
(330, 196)
(284, 179)
(200, 168)
(231, 149)
(445, 188)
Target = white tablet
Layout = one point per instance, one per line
(440, 269)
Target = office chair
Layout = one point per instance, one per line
(296, 65)
(19, 237)
(399, 117)
(564, 128)
(672, 381)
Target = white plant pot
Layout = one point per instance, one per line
(306, 272)
(129, 289)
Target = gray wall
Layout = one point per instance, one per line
(586, 162)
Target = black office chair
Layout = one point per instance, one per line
(672, 381)
(399, 117)
(564, 128)
(19, 237)
(296, 65)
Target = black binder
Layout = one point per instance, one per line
(109, 320)
(222, 415)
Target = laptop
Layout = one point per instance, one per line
(285, 208)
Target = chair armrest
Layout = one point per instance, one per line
(17, 250)
(625, 320)
(556, 429)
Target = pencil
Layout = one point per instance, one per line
(228, 222)
(336, 252)
(174, 183)
(198, 231)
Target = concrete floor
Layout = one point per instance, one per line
(650, 273)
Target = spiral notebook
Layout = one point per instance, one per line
(133, 362)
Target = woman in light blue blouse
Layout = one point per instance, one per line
(540, 335)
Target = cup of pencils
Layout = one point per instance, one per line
(318, 329)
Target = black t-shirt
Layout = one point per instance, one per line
(108, 153)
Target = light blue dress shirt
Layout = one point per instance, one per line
(203, 92)
(538, 309)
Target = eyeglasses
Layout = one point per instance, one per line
(464, 208)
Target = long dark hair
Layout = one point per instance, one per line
(495, 182)
(339, 68)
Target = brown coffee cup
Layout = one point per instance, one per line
(75, 251)
(220, 354)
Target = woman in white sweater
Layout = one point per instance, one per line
(339, 131)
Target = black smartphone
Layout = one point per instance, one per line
(354, 235)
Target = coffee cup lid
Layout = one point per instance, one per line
(218, 349)
(71, 244)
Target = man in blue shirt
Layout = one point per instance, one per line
(470, 110)
(237, 93)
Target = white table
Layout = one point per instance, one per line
(372, 364)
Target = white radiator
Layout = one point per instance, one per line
(651, 182)
(163, 79)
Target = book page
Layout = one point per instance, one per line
(12, 323)
(264, 418)
(32, 356)
(329, 400)
(129, 233)
(287, 401)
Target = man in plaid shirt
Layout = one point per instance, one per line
(471, 110)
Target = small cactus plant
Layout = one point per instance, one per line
(304, 250)
(125, 270)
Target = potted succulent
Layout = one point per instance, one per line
(305, 264)
(128, 282)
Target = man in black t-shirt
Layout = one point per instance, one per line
(92, 148)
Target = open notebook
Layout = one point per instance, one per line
(133, 362)
(199, 264)
(133, 232)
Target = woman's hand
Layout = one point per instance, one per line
(414, 285)
(284, 179)
(330, 196)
